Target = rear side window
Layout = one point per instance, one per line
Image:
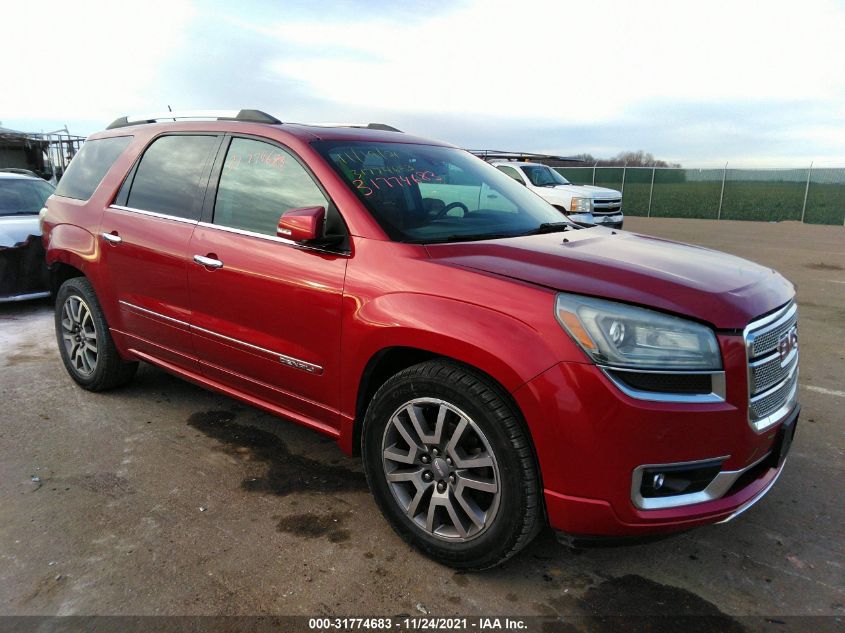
(258, 183)
(168, 178)
(88, 168)
(510, 171)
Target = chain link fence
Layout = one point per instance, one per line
(812, 195)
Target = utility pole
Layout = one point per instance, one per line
(651, 192)
(722, 194)
(806, 192)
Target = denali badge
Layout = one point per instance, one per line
(300, 364)
(787, 342)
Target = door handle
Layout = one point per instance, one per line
(208, 261)
(112, 238)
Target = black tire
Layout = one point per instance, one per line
(108, 370)
(518, 516)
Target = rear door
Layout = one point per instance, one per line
(145, 236)
(266, 312)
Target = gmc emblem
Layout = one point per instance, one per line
(787, 342)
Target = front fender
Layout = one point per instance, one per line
(509, 350)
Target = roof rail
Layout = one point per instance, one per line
(382, 126)
(366, 126)
(493, 154)
(250, 116)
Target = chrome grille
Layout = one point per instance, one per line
(608, 206)
(766, 339)
(769, 402)
(769, 371)
(772, 378)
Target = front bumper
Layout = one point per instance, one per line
(610, 221)
(591, 439)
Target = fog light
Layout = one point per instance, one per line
(678, 479)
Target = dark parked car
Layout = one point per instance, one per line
(497, 367)
(23, 271)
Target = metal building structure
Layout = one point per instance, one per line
(47, 154)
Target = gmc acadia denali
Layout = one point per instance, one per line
(497, 366)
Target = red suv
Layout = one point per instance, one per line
(497, 367)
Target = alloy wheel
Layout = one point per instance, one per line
(79, 335)
(441, 469)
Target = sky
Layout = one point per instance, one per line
(754, 84)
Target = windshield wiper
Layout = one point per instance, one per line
(466, 237)
(551, 227)
(546, 227)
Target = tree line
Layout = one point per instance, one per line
(639, 158)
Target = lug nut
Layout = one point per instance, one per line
(441, 487)
(449, 460)
(451, 479)
(435, 452)
(427, 476)
(425, 459)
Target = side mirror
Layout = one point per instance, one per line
(304, 224)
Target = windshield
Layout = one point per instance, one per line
(22, 196)
(427, 194)
(542, 176)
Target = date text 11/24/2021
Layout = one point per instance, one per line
(418, 624)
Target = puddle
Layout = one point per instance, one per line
(315, 526)
(662, 607)
(286, 472)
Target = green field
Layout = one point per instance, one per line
(766, 201)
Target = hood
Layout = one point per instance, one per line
(725, 291)
(578, 191)
(596, 192)
(15, 229)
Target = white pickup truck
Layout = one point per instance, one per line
(580, 203)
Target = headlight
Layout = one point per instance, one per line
(581, 205)
(621, 335)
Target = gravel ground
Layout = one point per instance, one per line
(163, 498)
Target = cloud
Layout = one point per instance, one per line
(76, 60)
(574, 62)
(693, 83)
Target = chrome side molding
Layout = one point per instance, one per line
(284, 359)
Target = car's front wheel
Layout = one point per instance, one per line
(86, 346)
(450, 464)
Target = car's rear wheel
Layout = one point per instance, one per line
(86, 346)
(450, 464)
